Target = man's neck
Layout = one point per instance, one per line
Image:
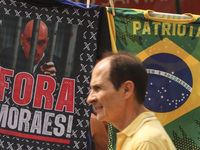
(127, 119)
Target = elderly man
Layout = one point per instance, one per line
(41, 64)
(118, 87)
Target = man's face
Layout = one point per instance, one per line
(105, 99)
(42, 41)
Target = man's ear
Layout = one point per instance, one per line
(47, 40)
(22, 39)
(128, 89)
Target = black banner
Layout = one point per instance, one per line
(47, 55)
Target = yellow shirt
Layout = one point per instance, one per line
(144, 133)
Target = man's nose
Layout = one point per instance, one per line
(91, 98)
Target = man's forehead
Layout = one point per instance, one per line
(98, 81)
(102, 66)
(43, 30)
(103, 63)
(101, 71)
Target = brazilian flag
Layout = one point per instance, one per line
(169, 47)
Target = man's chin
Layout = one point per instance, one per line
(100, 117)
(36, 61)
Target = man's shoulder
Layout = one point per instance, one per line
(5, 57)
(7, 51)
(46, 57)
(10, 50)
(56, 58)
(151, 134)
(152, 129)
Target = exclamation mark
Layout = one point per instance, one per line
(69, 126)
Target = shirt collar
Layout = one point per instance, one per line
(138, 122)
(36, 65)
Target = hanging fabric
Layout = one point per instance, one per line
(42, 108)
(168, 45)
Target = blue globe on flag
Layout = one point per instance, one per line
(170, 82)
